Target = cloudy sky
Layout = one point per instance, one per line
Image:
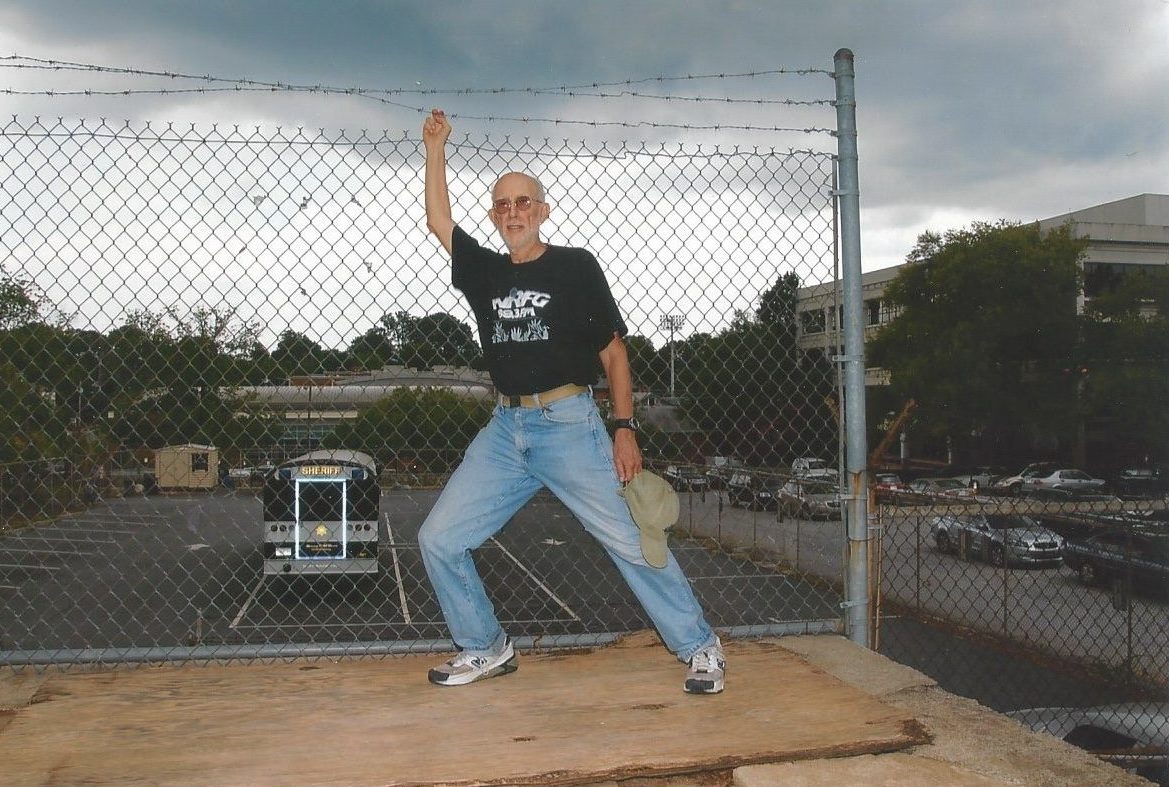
(967, 111)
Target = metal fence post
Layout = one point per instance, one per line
(857, 599)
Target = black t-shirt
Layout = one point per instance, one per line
(541, 323)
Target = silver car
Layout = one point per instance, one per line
(1001, 539)
(809, 498)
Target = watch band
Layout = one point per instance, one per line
(626, 423)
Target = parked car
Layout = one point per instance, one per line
(811, 467)
(944, 489)
(980, 476)
(890, 482)
(1001, 539)
(1013, 484)
(1103, 512)
(888, 486)
(685, 478)
(1139, 552)
(256, 473)
(1139, 482)
(719, 470)
(810, 498)
(747, 490)
(1134, 735)
(1067, 479)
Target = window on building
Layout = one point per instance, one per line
(873, 312)
(200, 462)
(1101, 278)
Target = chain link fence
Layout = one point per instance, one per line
(1054, 607)
(236, 377)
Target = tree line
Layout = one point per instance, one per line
(174, 377)
(987, 339)
(1003, 365)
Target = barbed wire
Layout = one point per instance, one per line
(193, 134)
(59, 65)
(382, 95)
(365, 93)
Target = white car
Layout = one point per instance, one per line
(1013, 484)
(812, 467)
(1067, 479)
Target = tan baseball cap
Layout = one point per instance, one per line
(653, 504)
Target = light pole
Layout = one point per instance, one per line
(672, 323)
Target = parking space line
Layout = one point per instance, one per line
(243, 610)
(71, 529)
(397, 571)
(38, 537)
(536, 579)
(346, 627)
(32, 551)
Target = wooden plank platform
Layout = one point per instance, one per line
(563, 718)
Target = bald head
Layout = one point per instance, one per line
(521, 180)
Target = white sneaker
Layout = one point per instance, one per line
(707, 669)
(467, 668)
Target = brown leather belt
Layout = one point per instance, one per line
(541, 399)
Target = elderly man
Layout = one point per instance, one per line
(548, 323)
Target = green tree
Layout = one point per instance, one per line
(777, 306)
(1122, 371)
(30, 428)
(139, 351)
(644, 363)
(431, 424)
(986, 323)
(19, 302)
(373, 349)
(754, 393)
(433, 340)
(186, 391)
(296, 354)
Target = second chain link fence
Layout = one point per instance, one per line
(191, 312)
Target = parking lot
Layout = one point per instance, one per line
(178, 577)
(142, 577)
(1045, 610)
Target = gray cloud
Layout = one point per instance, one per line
(982, 110)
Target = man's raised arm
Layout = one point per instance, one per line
(435, 131)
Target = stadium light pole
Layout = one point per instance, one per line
(672, 323)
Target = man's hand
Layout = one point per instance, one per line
(626, 454)
(615, 362)
(436, 129)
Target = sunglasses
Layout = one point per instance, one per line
(522, 204)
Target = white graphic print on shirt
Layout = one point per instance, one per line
(517, 317)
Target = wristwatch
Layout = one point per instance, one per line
(626, 423)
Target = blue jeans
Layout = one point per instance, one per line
(565, 447)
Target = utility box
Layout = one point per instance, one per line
(187, 466)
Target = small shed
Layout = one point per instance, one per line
(187, 466)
